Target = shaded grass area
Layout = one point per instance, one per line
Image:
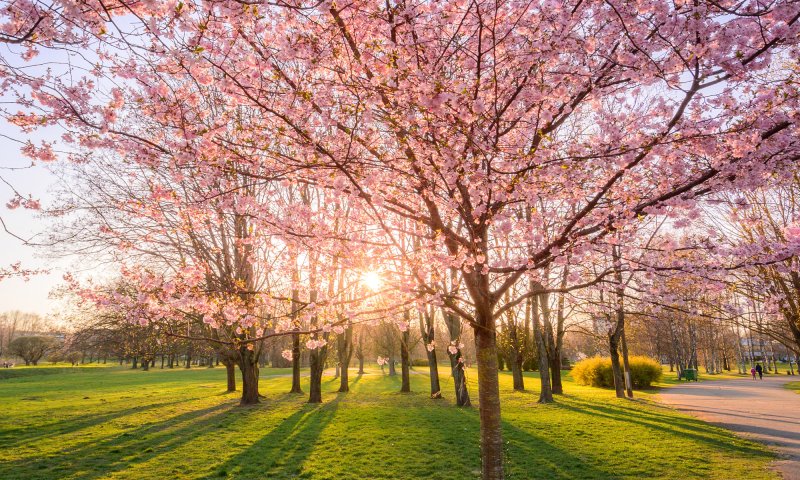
(795, 386)
(116, 423)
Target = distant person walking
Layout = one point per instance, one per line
(753, 372)
(760, 371)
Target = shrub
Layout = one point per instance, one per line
(419, 362)
(644, 371)
(596, 372)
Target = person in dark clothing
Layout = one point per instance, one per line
(760, 371)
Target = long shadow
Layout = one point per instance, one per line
(284, 448)
(737, 413)
(24, 435)
(126, 449)
(688, 427)
(522, 448)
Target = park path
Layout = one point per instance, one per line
(762, 410)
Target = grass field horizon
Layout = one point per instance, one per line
(115, 423)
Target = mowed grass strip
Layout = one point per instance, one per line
(115, 423)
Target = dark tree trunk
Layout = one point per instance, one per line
(555, 373)
(248, 364)
(615, 333)
(317, 366)
(361, 365)
(404, 360)
(515, 360)
(135, 363)
(296, 364)
(230, 371)
(145, 364)
(613, 350)
(453, 324)
(428, 332)
(433, 367)
(488, 396)
(392, 369)
(626, 365)
(162, 362)
(546, 393)
(345, 353)
(459, 379)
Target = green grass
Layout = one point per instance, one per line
(115, 423)
(794, 386)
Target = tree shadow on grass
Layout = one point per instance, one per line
(25, 435)
(285, 448)
(118, 453)
(527, 455)
(678, 426)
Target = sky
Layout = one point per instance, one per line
(16, 293)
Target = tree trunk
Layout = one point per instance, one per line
(248, 364)
(145, 364)
(433, 367)
(488, 397)
(626, 365)
(230, 371)
(555, 372)
(317, 366)
(345, 353)
(515, 361)
(428, 332)
(459, 379)
(613, 349)
(135, 363)
(546, 394)
(392, 368)
(615, 334)
(405, 387)
(453, 324)
(361, 365)
(296, 364)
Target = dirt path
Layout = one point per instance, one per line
(761, 410)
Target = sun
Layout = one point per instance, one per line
(372, 280)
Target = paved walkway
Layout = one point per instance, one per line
(761, 410)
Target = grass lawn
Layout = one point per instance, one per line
(795, 386)
(122, 424)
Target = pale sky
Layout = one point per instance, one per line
(15, 293)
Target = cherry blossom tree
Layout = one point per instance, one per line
(450, 116)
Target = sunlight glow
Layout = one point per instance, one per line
(372, 280)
